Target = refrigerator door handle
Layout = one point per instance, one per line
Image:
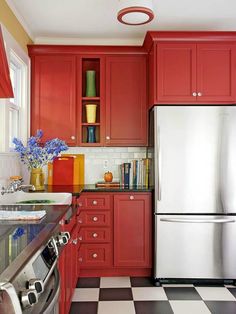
(214, 221)
(158, 168)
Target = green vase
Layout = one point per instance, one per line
(90, 84)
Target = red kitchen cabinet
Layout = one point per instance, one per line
(54, 97)
(126, 101)
(195, 73)
(176, 72)
(215, 72)
(132, 230)
(68, 267)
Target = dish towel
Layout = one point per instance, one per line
(21, 215)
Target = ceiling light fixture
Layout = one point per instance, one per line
(135, 12)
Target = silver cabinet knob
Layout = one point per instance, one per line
(107, 137)
(95, 218)
(29, 298)
(199, 94)
(131, 197)
(80, 238)
(80, 221)
(95, 255)
(72, 137)
(80, 259)
(194, 94)
(95, 235)
(95, 202)
(80, 204)
(74, 241)
(36, 284)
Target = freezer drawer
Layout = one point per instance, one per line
(192, 246)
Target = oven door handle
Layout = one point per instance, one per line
(10, 290)
(53, 300)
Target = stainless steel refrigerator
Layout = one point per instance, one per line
(194, 152)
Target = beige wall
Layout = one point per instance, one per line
(10, 21)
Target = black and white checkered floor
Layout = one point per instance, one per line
(136, 295)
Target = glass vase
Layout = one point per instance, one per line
(90, 84)
(37, 179)
(91, 137)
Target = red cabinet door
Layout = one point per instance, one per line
(215, 72)
(53, 97)
(176, 72)
(126, 101)
(132, 230)
(71, 267)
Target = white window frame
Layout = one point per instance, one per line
(18, 56)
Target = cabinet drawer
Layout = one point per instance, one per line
(94, 235)
(95, 255)
(94, 218)
(94, 201)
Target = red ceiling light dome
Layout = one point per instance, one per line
(135, 12)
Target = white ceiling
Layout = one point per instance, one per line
(94, 21)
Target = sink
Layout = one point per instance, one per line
(25, 198)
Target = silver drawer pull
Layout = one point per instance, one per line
(80, 204)
(95, 235)
(74, 241)
(95, 255)
(194, 94)
(199, 94)
(131, 197)
(80, 238)
(199, 221)
(95, 202)
(80, 221)
(95, 218)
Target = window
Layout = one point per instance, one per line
(14, 112)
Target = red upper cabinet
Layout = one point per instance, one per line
(215, 72)
(132, 230)
(126, 101)
(54, 97)
(195, 73)
(176, 72)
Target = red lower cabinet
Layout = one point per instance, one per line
(68, 271)
(116, 239)
(132, 230)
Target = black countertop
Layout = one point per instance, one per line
(20, 240)
(76, 190)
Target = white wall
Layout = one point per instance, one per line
(9, 166)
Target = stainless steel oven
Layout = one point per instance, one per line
(36, 287)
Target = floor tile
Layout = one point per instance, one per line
(93, 282)
(221, 307)
(193, 307)
(85, 294)
(116, 307)
(153, 307)
(149, 293)
(233, 291)
(115, 294)
(185, 293)
(84, 308)
(141, 282)
(115, 282)
(215, 294)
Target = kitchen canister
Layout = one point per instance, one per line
(91, 113)
(90, 83)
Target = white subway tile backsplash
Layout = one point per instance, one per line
(95, 157)
(94, 162)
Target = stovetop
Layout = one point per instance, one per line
(14, 238)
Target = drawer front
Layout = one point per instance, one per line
(94, 218)
(95, 255)
(94, 235)
(94, 201)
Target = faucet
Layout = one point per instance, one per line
(16, 185)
